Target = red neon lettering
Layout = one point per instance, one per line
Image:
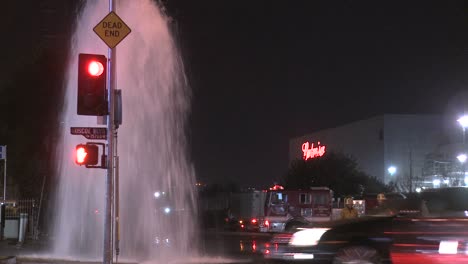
(312, 152)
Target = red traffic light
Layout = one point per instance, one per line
(95, 68)
(87, 154)
(92, 80)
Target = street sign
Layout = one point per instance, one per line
(90, 132)
(2, 152)
(112, 30)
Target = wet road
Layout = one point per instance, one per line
(240, 246)
(214, 247)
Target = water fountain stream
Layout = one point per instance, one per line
(152, 143)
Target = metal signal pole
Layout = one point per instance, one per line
(112, 54)
(4, 174)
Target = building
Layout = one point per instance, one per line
(392, 148)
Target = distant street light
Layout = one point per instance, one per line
(392, 170)
(463, 121)
(462, 158)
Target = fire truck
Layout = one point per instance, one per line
(278, 210)
(286, 209)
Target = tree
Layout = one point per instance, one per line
(334, 170)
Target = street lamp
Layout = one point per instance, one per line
(392, 170)
(463, 121)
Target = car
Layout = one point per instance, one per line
(437, 233)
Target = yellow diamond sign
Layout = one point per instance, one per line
(112, 30)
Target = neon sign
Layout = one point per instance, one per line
(312, 152)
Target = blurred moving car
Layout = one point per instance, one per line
(437, 233)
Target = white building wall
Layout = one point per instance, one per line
(380, 142)
(361, 140)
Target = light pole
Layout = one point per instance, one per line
(392, 170)
(462, 159)
(463, 121)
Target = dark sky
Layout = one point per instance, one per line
(265, 71)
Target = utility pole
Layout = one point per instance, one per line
(411, 170)
(112, 36)
(112, 63)
(5, 175)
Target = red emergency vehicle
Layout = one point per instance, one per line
(285, 209)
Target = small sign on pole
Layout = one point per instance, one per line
(2, 152)
(90, 132)
(112, 30)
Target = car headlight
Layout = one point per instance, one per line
(307, 237)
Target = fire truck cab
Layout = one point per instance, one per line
(285, 209)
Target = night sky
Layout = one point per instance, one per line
(265, 71)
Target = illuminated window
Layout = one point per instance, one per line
(304, 198)
(278, 198)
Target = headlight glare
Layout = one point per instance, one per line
(307, 237)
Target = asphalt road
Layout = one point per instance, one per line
(235, 245)
(214, 247)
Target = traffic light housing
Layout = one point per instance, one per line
(92, 79)
(87, 154)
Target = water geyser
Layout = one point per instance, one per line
(151, 144)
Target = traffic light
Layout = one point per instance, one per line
(87, 154)
(92, 76)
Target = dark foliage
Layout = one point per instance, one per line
(334, 170)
